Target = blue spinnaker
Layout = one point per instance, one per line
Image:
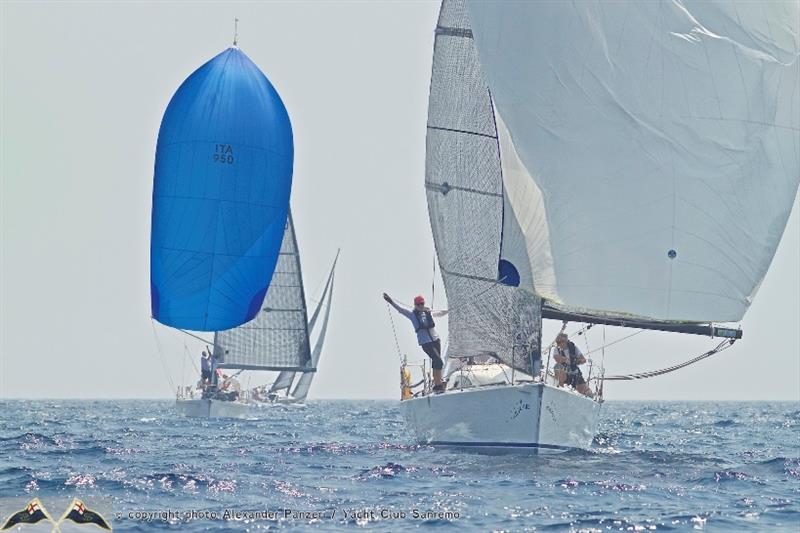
(223, 175)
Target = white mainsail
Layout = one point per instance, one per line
(650, 150)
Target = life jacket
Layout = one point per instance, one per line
(424, 319)
(571, 352)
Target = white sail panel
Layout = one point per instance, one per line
(277, 338)
(465, 203)
(283, 381)
(303, 385)
(662, 143)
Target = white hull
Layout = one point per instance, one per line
(197, 408)
(284, 400)
(213, 409)
(532, 416)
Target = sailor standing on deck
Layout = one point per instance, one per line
(205, 368)
(421, 318)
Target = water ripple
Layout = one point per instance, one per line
(653, 466)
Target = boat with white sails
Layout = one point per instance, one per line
(625, 164)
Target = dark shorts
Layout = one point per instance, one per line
(434, 350)
(575, 378)
(205, 375)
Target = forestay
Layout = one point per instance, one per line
(223, 175)
(277, 339)
(464, 192)
(651, 150)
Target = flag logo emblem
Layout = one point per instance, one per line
(33, 513)
(78, 513)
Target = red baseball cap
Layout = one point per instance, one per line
(419, 300)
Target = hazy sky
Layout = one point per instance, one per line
(84, 87)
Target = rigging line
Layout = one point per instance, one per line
(603, 347)
(727, 343)
(433, 281)
(188, 354)
(549, 349)
(161, 358)
(264, 385)
(193, 335)
(183, 365)
(394, 332)
(583, 331)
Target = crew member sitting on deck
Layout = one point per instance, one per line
(421, 318)
(568, 357)
(230, 386)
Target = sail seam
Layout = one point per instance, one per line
(205, 253)
(243, 202)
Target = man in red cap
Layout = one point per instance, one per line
(421, 318)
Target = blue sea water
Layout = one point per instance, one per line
(353, 464)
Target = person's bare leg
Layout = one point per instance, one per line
(437, 377)
(584, 389)
(561, 376)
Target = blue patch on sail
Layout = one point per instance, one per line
(255, 304)
(154, 300)
(508, 273)
(223, 176)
